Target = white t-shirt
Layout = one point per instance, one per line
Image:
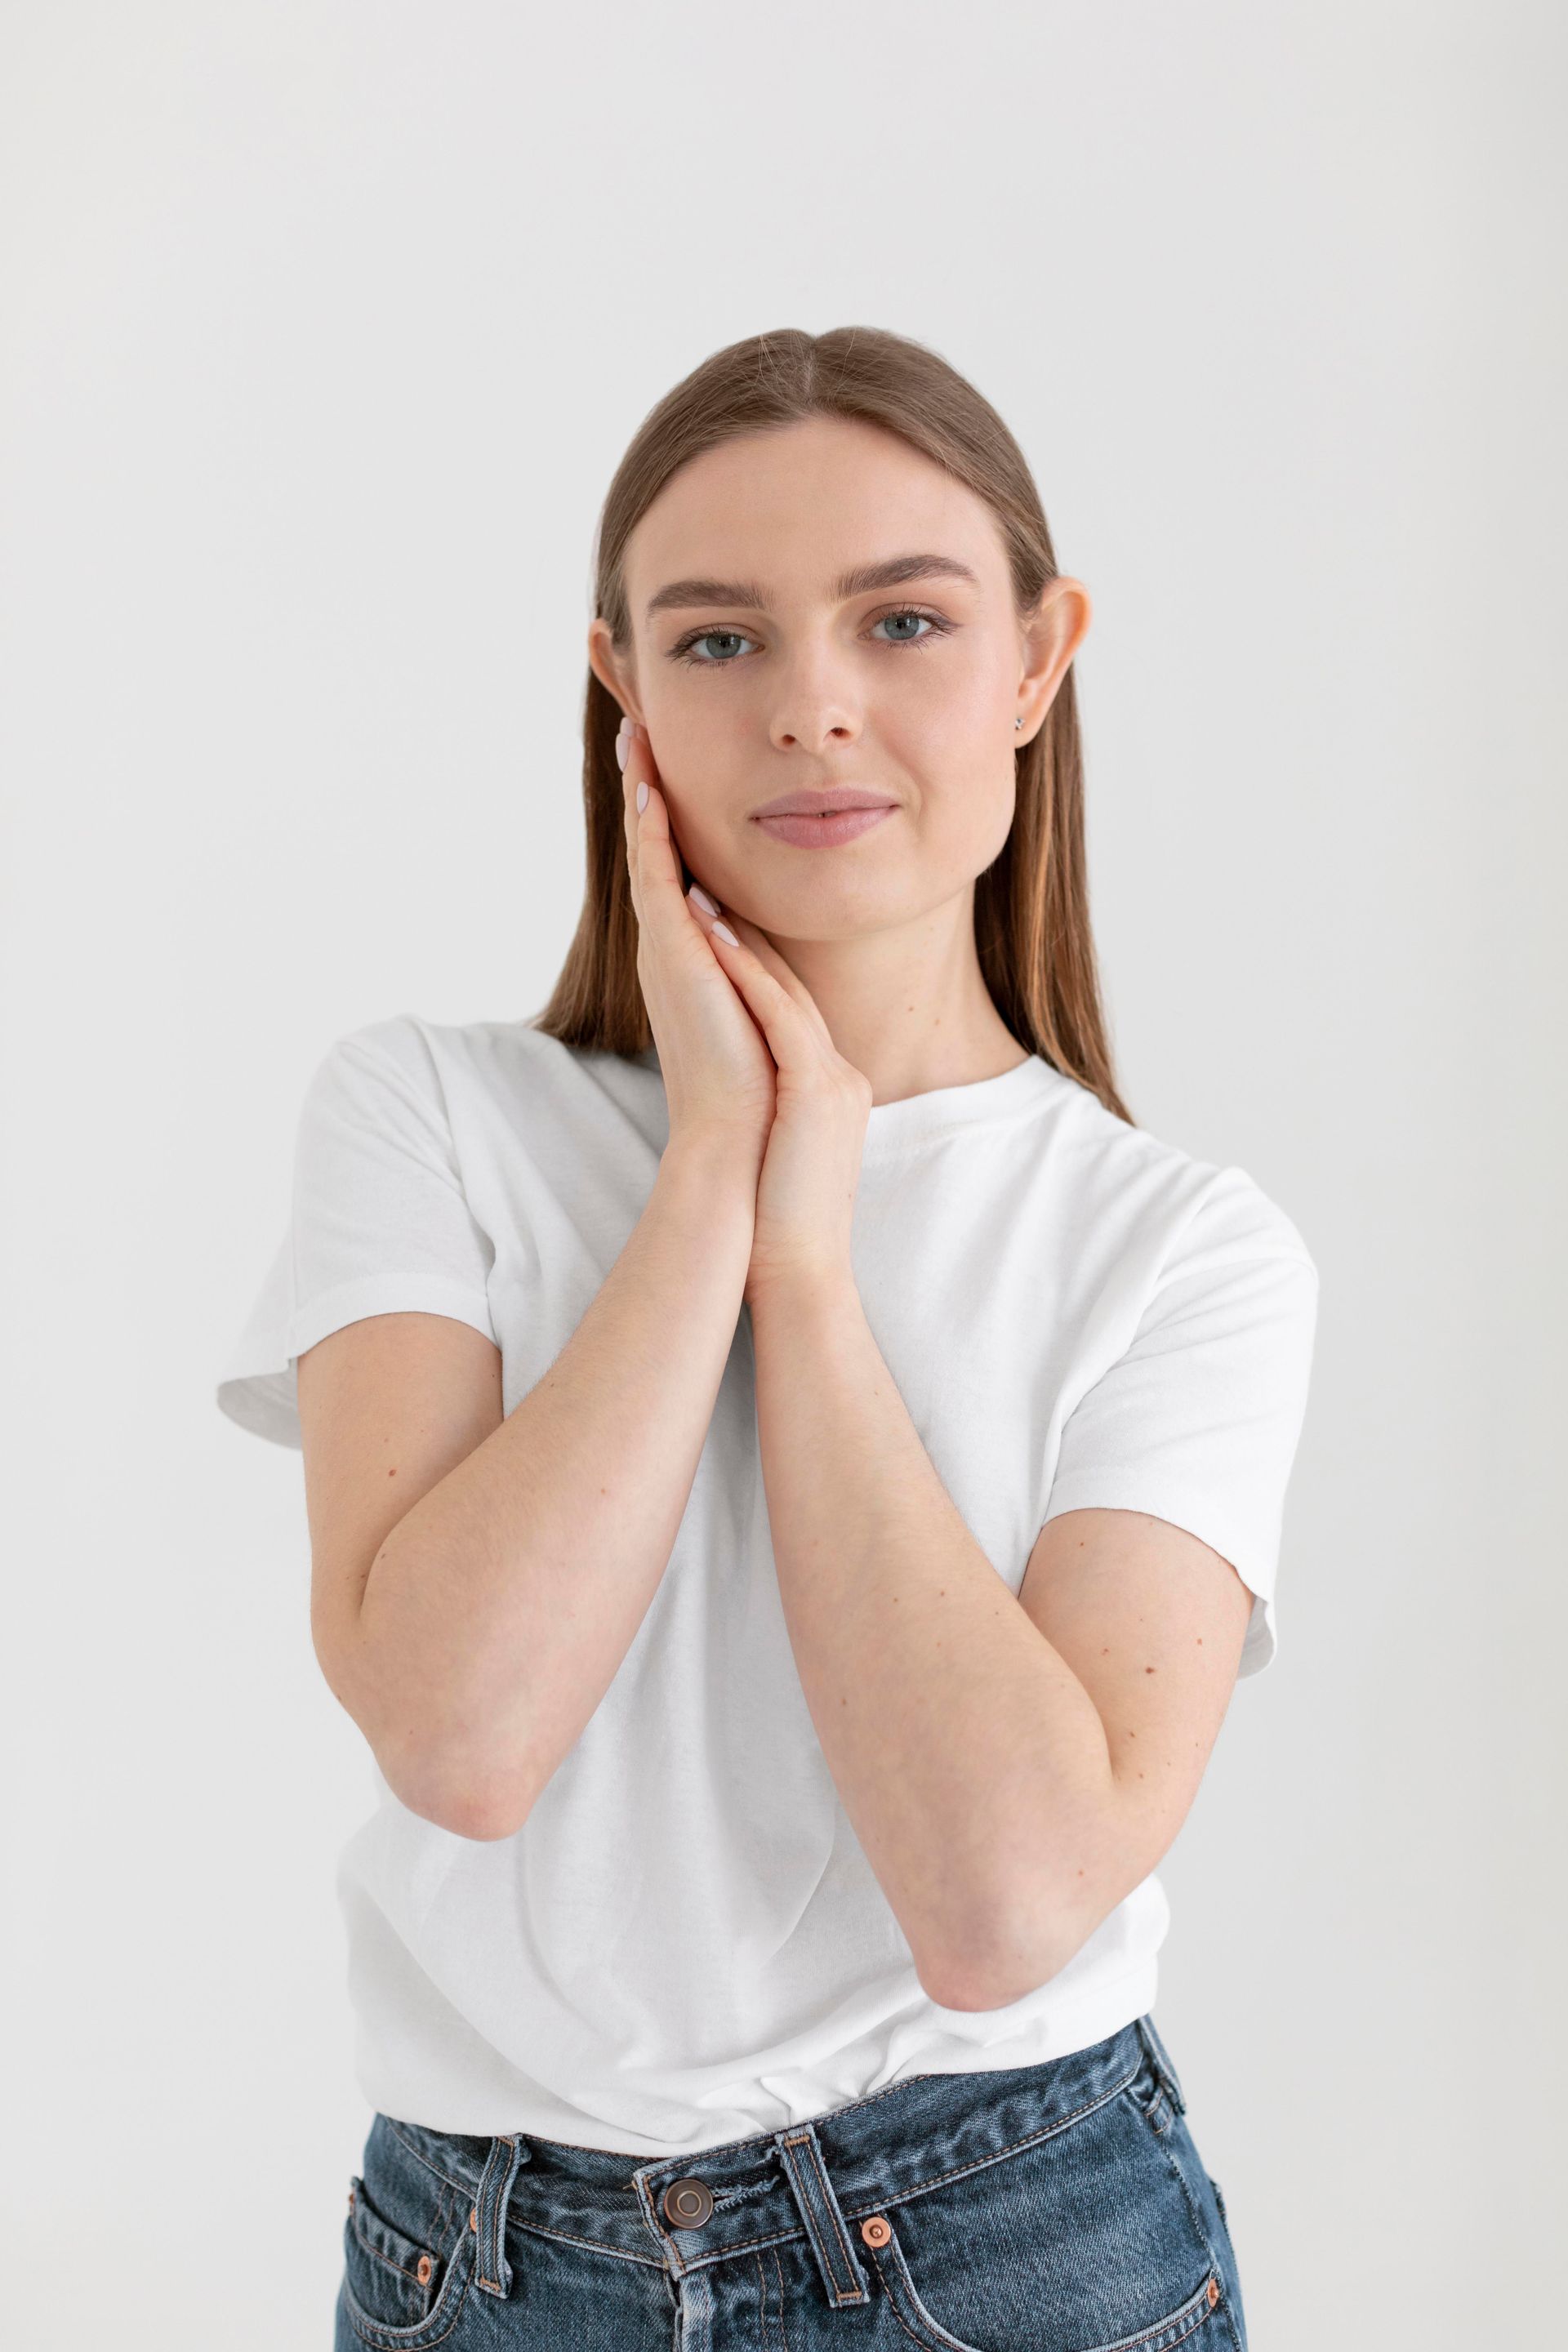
(684, 1944)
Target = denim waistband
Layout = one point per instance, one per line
(811, 2179)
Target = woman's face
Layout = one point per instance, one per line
(763, 666)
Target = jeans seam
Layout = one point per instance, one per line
(915, 2188)
(469, 2189)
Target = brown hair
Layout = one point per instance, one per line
(1031, 905)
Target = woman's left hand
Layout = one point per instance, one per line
(811, 1166)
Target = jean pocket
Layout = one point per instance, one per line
(407, 2261)
(1082, 2241)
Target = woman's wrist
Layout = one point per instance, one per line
(718, 1165)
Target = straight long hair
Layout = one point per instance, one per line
(1031, 904)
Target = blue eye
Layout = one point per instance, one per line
(685, 648)
(707, 636)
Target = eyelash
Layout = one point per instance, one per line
(681, 650)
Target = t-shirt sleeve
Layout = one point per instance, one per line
(1198, 1421)
(379, 1222)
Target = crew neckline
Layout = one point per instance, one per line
(915, 1118)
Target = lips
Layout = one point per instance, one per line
(828, 832)
(826, 799)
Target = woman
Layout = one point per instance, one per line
(793, 1471)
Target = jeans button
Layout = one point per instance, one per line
(687, 2203)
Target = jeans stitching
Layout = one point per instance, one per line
(778, 2237)
(465, 2187)
(853, 2293)
(920, 2188)
(1195, 2318)
(778, 2269)
(400, 2336)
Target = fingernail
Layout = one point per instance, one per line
(722, 930)
(642, 798)
(621, 748)
(704, 900)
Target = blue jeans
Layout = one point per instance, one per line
(1053, 2207)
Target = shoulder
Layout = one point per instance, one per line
(493, 1043)
(1163, 1204)
(487, 1095)
(441, 1056)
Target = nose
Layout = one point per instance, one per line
(816, 708)
(831, 731)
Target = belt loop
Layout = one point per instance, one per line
(825, 2223)
(491, 2270)
(1160, 2059)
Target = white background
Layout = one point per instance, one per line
(324, 327)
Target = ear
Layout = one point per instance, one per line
(1049, 635)
(618, 678)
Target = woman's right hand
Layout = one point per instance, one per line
(718, 1074)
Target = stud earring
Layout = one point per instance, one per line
(1018, 722)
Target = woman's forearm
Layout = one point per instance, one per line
(538, 1555)
(971, 1761)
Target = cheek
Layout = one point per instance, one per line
(969, 813)
(953, 699)
(957, 718)
(701, 844)
(698, 762)
(958, 757)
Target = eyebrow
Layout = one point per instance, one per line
(891, 573)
